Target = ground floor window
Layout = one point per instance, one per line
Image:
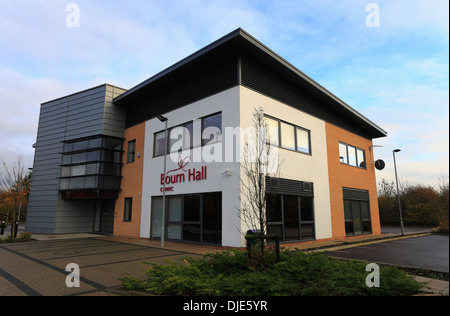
(291, 217)
(357, 217)
(192, 217)
(356, 211)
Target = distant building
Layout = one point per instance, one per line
(99, 157)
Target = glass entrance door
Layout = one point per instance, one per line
(192, 217)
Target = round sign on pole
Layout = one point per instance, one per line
(379, 164)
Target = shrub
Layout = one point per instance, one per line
(228, 274)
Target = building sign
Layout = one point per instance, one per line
(182, 175)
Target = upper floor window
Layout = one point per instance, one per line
(352, 156)
(288, 136)
(131, 153)
(199, 132)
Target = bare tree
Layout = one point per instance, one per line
(14, 185)
(259, 160)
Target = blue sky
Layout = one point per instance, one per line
(395, 74)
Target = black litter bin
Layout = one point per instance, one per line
(252, 241)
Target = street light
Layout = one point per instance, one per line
(398, 191)
(165, 120)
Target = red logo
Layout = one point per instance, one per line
(171, 177)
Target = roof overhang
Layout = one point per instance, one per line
(241, 42)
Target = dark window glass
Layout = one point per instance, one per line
(357, 217)
(131, 151)
(113, 143)
(367, 227)
(127, 209)
(175, 207)
(307, 231)
(111, 183)
(349, 227)
(90, 183)
(67, 147)
(65, 172)
(306, 209)
(94, 143)
(93, 155)
(273, 208)
(76, 183)
(188, 139)
(79, 170)
(356, 211)
(92, 168)
(275, 230)
(348, 210)
(174, 231)
(212, 218)
(365, 210)
(160, 143)
(191, 232)
(67, 159)
(212, 129)
(82, 145)
(64, 184)
(79, 158)
(157, 203)
(176, 139)
(291, 220)
(192, 208)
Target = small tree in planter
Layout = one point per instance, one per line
(259, 160)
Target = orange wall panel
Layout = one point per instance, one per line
(342, 175)
(131, 185)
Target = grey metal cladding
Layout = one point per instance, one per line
(44, 184)
(82, 114)
(114, 115)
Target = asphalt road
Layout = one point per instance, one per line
(428, 252)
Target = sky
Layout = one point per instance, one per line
(388, 59)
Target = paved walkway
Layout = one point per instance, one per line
(39, 267)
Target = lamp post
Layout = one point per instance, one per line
(398, 191)
(164, 119)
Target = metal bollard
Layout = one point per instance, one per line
(2, 228)
(16, 229)
(12, 229)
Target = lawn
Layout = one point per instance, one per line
(231, 273)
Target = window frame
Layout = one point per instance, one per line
(193, 142)
(128, 209)
(356, 156)
(279, 143)
(131, 155)
(301, 222)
